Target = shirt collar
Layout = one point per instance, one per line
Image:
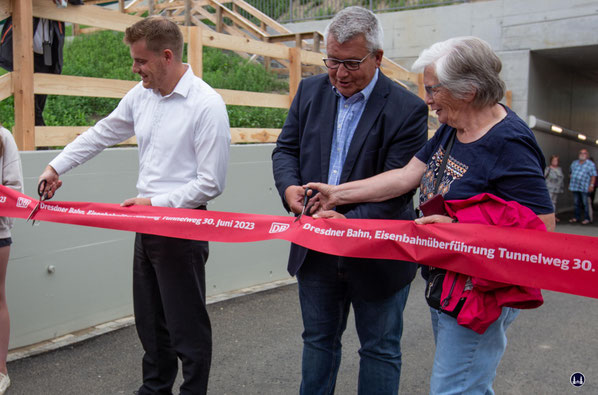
(184, 85)
(365, 92)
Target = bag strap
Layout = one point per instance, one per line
(447, 152)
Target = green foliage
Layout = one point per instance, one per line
(104, 55)
(256, 117)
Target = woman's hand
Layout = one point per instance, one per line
(322, 197)
(434, 219)
(328, 214)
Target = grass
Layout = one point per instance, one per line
(104, 55)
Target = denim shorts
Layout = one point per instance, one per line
(5, 242)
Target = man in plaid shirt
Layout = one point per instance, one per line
(583, 177)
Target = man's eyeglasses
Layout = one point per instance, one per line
(430, 88)
(350, 64)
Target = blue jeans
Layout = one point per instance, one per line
(465, 361)
(580, 200)
(325, 298)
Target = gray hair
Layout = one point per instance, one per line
(463, 65)
(354, 21)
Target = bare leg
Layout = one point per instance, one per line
(4, 319)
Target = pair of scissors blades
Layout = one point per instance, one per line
(306, 198)
(41, 191)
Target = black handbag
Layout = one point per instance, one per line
(436, 275)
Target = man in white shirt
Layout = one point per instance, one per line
(183, 135)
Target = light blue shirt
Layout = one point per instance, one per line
(348, 115)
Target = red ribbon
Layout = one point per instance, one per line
(553, 261)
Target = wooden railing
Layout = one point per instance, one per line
(23, 83)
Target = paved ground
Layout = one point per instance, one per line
(257, 350)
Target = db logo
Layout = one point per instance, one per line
(2, 199)
(22, 202)
(277, 227)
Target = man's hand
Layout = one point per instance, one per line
(434, 219)
(137, 202)
(52, 181)
(293, 195)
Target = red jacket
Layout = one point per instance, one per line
(484, 302)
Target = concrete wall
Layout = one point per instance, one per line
(91, 282)
(512, 27)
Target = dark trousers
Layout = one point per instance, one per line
(40, 100)
(170, 313)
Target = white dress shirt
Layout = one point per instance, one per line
(183, 139)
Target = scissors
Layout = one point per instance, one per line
(41, 187)
(306, 198)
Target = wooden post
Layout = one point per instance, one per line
(195, 50)
(294, 72)
(267, 59)
(150, 7)
(219, 20)
(22, 19)
(316, 47)
(76, 29)
(187, 12)
(121, 6)
(509, 99)
(421, 92)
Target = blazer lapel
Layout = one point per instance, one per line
(329, 106)
(370, 113)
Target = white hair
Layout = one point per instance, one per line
(354, 21)
(464, 65)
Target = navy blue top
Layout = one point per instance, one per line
(506, 162)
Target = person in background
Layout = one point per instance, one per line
(349, 124)
(554, 180)
(12, 177)
(182, 130)
(493, 151)
(592, 194)
(581, 183)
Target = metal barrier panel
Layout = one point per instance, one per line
(64, 278)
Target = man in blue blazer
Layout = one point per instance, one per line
(348, 125)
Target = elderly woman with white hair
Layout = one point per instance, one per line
(490, 149)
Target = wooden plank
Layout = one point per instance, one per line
(239, 44)
(24, 131)
(294, 71)
(54, 84)
(254, 99)
(509, 98)
(6, 87)
(195, 50)
(59, 136)
(253, 135)
(90, 15)
(5, 9)
(393, 70)
(68, 85)
(312, 58)
(238, 19)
